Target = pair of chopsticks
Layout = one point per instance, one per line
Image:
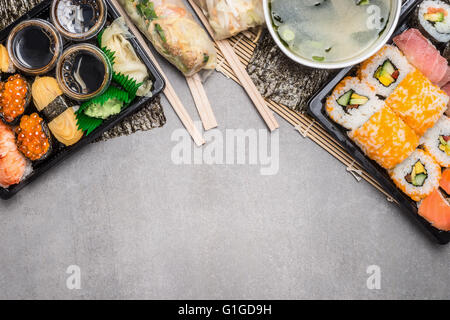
(195, 85)
(240, 72)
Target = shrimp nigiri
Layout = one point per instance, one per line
(13, 165)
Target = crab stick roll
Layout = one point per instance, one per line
(385, 138)
(417, 176)
(437, 142)
(352, 103)
(385, 70)
(418, 102)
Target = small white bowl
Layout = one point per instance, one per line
(394, 16)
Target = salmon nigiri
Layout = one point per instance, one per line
(436, 210)
(13, 165)
(445, 181)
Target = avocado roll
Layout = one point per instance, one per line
(417, 176)
(385, 70)
(352, 103)
(437, 142)
(434, 19)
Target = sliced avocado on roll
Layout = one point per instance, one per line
(434, 17)
(387, 73)
(352, 100)
(444, 144)
(418, 175)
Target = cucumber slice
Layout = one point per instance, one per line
(363, 2)
(344, 100)
(389, 67)
(419, 180)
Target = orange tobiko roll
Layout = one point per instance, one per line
(386, 139)
(418, 102)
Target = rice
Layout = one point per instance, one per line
(352, 118)
(369, 68)
(431, 141)
(439, 31)
(433, 171)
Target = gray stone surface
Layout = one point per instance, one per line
(140, 226)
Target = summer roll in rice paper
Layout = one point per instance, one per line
(229, 17)
(174, 33)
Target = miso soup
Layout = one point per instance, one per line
(329, 30)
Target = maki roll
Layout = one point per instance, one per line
(418, 102)
(6, 65)
(49, 100)
(385, 70)
(434, 20)
(33, 137)
(417, 176)
(385, 138)
(437, 142)
(15, 96)
(352, 103)
(13, 165)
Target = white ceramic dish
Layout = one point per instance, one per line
(394, 16)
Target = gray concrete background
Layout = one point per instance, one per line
(140, 226)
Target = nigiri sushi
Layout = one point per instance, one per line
(445, 181)
(422, 54)
(13, 165)
(436, 209)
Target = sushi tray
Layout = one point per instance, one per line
(68, 73)
(388, 113)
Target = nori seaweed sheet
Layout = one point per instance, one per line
(150, 116)
(282, 80)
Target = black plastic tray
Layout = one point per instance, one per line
(316, 108)
(61, 152)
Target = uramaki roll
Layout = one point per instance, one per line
(385, 138)
(418, 102)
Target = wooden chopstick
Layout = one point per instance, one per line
(201, 102)
(240, 72)
(169, 91)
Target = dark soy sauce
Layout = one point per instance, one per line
(34, 47)
(84, 72)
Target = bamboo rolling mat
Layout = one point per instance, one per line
(244, 45)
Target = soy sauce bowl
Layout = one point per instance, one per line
(385, 35)
(34, 46)
(78, 20)
(83, 72)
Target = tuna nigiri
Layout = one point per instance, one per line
(436, 210)
(423, 55)
(13, 165)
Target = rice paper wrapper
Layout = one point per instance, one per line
(229, 17)
(174, 33)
